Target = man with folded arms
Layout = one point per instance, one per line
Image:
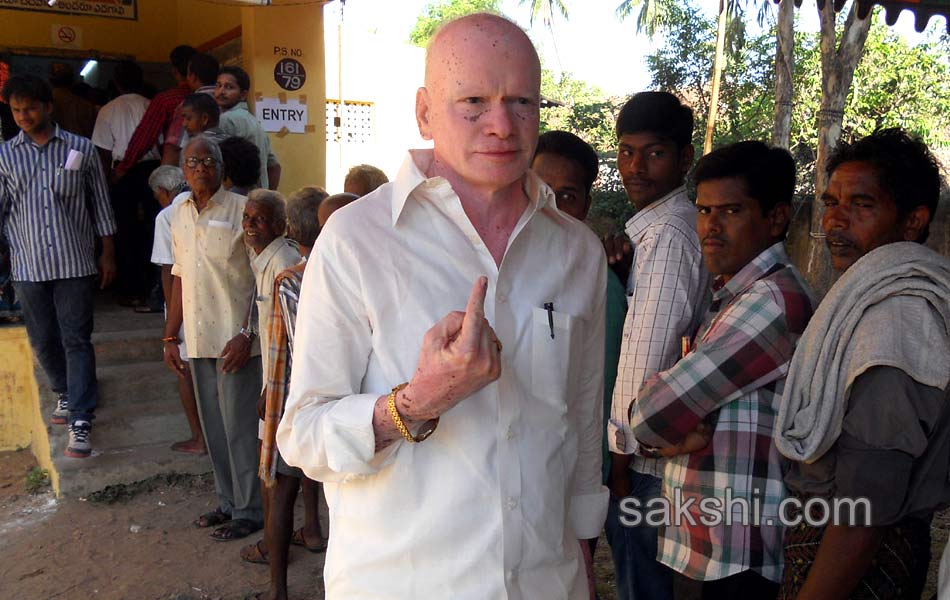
(725, 391)
(478, 475)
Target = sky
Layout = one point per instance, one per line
(592, 45)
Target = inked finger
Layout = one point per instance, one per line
(474, 314)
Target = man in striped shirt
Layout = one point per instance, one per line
(53, 204)
(723, 535)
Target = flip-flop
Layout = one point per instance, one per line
(255, 553)
(211, 519)
(235, 529)
(298, 539)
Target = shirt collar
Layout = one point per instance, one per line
(205, 89)
(22, 137)
(241, 104)
(216, 198)
(757, 268)
(644, 218)
(411, 176)
(260, 261)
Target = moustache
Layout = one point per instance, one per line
(836, 237)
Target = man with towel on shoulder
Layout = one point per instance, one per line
(866, 412)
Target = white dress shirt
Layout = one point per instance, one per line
(116, 122)
(493, 503)
(668, 285)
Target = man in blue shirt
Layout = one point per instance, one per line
(53, 204)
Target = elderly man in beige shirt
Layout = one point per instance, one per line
(212, 291)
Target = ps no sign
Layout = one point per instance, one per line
(274, 115)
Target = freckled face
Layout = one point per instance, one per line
(481, 103)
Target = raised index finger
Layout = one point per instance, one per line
(474, 313)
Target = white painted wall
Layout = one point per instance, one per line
(381, 70)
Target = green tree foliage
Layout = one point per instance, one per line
(894, 85)
(545, 9)
(435, 13)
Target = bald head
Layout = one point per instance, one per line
(481, 102)
(483, 30)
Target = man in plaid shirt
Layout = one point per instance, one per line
(713, 412)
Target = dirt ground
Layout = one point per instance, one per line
(137, 543)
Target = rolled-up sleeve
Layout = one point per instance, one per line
(327, 427)
(588, 506)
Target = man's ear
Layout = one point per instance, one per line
(422, 113)
(243, 96)
(686, 158)
(779, 217)
(914, 223)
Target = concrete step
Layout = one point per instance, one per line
(81, 476)
(138, 417)
(121, 347)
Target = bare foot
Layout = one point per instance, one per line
(190, 447)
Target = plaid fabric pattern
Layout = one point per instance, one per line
(284, 307)
(158, 116)
(732, 378)
(669, 286)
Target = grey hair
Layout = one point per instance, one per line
(167, 177)
(213, 148)
(274, 200)
(303, 226)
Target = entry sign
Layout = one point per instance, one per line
(275, 115)
(290, 74)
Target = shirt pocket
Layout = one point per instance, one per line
(67, 183)
(219, 237)
(551, 336)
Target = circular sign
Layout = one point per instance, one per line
(290, 74)
(66, 34)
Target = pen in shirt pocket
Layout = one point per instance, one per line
(549, 306)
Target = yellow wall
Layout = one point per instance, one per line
(21, 423)
(302, 155)
(161, 25)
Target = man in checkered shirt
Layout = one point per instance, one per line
(714, 411)
(667, 285)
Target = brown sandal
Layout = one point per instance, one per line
(298, 539)
(255, 553)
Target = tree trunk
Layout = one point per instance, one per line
(784, 68)
(837, 71)
(719, 65)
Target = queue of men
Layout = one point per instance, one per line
(482, 386)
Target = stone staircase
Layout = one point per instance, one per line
(139, 413)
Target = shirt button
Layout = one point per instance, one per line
(511, 434)
(512, 504)
(502, 298)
